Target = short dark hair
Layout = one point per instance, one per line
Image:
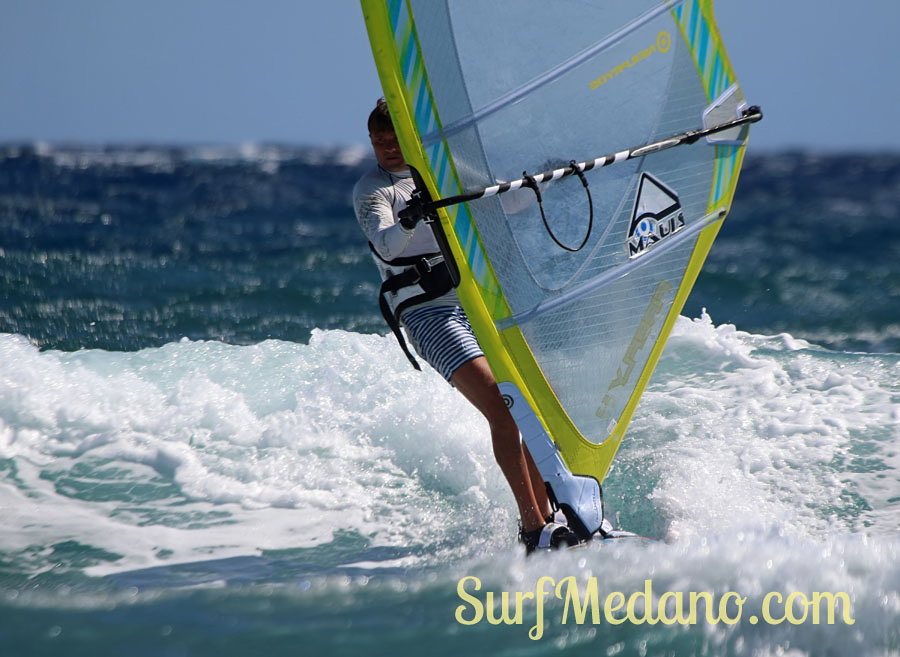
(380, 118)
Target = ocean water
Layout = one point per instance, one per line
(209, 445)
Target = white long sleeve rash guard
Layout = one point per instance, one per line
(378, 197)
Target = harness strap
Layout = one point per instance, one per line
(406, 261)
(393, 322)
(430, 272)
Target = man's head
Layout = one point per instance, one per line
(384, 139)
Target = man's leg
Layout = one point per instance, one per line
(537, 485)
(476, 382)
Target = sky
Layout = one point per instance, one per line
(300, 72)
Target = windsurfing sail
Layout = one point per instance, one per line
(633, 126)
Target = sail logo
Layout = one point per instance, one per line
(662, 44)
(638, 340)
(656, 215)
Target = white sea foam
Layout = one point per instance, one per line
(285, 443)
(201, 450)
(768, 437)
(268, 157)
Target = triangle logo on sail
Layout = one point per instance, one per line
(656, 215)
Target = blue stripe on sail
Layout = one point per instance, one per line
(479, 268)
(716, 77)
(409, 62)
(439, 166)
(726, 78)
(463, 229)
(395, 7)
(703, 51)
(413, 80)
(401, 28)
(427, 116)
(729, 170)
(423, 109)
(695, 26)
(431, 157)
(482, 268)
(720, 173)
(432, 154)
(476, 260)
(444, 176)
(417, 83)
(432, 122)
(477, 264)
(422, 102)
(406, 47)
(733, 162)
(727, 162)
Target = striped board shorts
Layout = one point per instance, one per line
(442, 336)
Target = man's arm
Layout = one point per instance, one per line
(376, 217)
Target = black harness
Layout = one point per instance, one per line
(429, 271)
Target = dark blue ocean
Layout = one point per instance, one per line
(209, 444)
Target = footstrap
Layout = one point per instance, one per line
(546, 538)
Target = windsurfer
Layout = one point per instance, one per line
(438, 327)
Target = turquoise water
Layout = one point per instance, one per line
(209, 446)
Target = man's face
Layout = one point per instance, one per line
(387, 151)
